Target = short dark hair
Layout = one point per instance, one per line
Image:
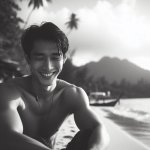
(46, 31)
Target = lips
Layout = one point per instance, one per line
(47, 75)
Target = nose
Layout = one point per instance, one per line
(48, 65)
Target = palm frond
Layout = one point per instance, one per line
(37, 3)
(73, 22)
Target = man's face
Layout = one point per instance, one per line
(46, 62)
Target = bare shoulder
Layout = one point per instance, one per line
(10, 95)
(74, 96)
(69, 88)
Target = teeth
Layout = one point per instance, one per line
(47, 74)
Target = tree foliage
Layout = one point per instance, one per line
(10, 32)
(73, 22)
(78, 76)
(9, 26)
(37, 3)
(67, 73)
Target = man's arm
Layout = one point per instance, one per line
(11, 128)
(85, 118)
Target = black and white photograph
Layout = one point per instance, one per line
(74, 74)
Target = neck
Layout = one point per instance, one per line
(42, 90)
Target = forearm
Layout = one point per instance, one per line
(18, 141)
(99, 139)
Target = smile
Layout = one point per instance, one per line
(47, 74)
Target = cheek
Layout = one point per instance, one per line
(61, 65)
(35, 66)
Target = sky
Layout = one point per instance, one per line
(114, 28)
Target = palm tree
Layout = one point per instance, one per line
(73, 22)
(36, 4)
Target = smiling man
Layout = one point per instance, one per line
(32, 108)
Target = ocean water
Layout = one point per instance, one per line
(133, 116)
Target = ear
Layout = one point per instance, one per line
(27, 58)
(64, 58)
(28, 63)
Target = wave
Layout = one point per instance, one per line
(138, 115)
(135, 122)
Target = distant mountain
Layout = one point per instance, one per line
(114, 69)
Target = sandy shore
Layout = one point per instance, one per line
(119, 139)
(66, 133)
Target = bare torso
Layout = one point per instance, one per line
(26, 119)
(42, 119)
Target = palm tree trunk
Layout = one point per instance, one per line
(68, 33)
(26, 22)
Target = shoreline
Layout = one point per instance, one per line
(119, 138)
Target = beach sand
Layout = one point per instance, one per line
(66, 133)
(119, 139)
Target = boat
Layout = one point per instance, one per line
(103, 100)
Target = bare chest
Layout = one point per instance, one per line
(42, 119)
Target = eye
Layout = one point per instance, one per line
(38, 57)
(57, 58)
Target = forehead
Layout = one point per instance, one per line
(45, 47)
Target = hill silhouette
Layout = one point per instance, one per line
(115, 69)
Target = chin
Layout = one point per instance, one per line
(48, 82)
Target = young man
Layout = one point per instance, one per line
(32, 108)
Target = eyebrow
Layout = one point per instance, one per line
(37, 54)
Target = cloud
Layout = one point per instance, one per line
(111, 27)
(113, 31)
